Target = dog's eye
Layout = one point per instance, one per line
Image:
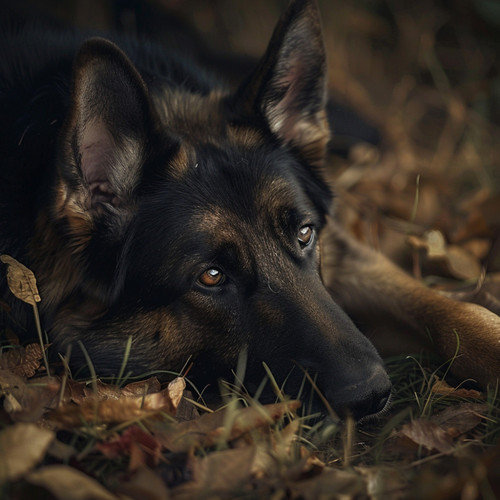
(305, 235)
(211, 277)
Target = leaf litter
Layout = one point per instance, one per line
(428, 199)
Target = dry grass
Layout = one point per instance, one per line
(427, 77)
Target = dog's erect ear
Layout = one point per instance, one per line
(106, 129)
(288, 88)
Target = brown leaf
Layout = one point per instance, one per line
(79, 392)
(28, 401)
(144, 484)
(110, 404)
(218, 475)
(209, 429)
(186, 409)
(443, 389)
(462, 264)
(382, 479)
(23, 361)
(331, 483)
(22, 446)
(133, 441)
(66, 483)
(176, 390)
(427, 434)
(460, 419)
(142, 387)
(21, 280)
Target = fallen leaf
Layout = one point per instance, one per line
(427, 434)
(220, 474)
(79, 392)
(143, 387)
(143, 484)
(460, 419)
(133, 441)
(109, 404)
(23, 361)
(176, 390)
(385, 482)
(442, 388)
(27, 401)
(21, 280)
(22, 446)
(462, 264)
(210, 428)
(66, 483)
(436, 244)
(331, 483)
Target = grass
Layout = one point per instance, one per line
(440, 152)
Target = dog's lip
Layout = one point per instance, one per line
(370, 419)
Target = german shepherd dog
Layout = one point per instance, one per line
(155, 204)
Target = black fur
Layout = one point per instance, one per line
(128, 173)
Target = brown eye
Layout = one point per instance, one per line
(305, 235)
(211, 277)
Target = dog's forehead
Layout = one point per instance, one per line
(231, 182)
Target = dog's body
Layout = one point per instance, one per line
(154, 204)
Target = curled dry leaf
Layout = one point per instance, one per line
(27, 401)
(210, 428)
(447, 260)
(78, 392)
(440, 432)
(176, 389)
(111, 405)
(442, 388)
(460, 419)
(218, 475)
(21, 280)
(427, 434)
(22, 446)
(462, 264)
(22, 361)
(436, 244)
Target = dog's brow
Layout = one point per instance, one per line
(180, 164)
(244, 136)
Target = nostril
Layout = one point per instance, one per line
(368, 405)
(381, 404)
(376, 403)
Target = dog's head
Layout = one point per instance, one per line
(190, 222)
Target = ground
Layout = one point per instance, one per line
(427, 195)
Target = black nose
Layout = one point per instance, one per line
(363, 398)
(373, 403)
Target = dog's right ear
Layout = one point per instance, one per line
(105, 135)
(101, 155)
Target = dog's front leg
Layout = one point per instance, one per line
(374, 290)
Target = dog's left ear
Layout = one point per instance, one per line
(288, 88)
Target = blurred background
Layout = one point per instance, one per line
(416, 87)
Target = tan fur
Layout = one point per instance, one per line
(181, 162)
(368, 285)
(244, 136)
(54, 268)
(192, 117)
(313, 139)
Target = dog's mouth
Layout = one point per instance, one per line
(374, 417)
